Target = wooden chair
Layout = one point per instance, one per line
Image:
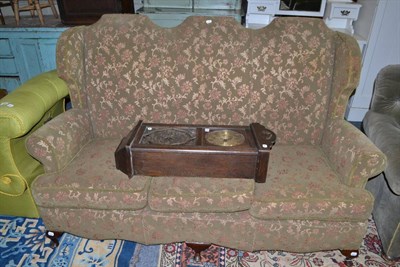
(34, 5)
(3, 3)
(3, 93)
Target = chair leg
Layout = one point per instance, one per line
(32, 11)
(16, 11)
(39, 11)
(2, 18)
(53, 8)
(198, 248)
(54, 236)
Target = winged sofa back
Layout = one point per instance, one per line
(294, 76)
(207, 70)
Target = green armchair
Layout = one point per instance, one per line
(21, 113)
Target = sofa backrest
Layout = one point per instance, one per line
(208, 70)
(386, 95)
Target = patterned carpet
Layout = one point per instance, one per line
(23, 243)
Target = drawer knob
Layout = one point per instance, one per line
(345, 12)
(261, 8)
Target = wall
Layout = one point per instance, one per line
(379, 23)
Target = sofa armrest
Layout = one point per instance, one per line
(21, 110)
(56, 143)
(13, 185)
(21, 113)
(384, 132)
(351, 154)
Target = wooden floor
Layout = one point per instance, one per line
(34, 22)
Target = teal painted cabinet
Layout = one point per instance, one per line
(25, 53)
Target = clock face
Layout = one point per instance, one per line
(225, 138)
(168, 136)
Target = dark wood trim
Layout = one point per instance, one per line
(54, 237)
(194, 155)
(85, 12)
(3, 93)
(350, 254)
(127, 6)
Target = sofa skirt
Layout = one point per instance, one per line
(237, 230)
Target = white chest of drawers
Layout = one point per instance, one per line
(260, 13)
(262, 7)
(340, 15)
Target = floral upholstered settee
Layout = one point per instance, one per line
(294, 76)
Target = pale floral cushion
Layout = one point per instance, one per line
(231, 229)
(91, 180)
(302, 185)
(98, 224)
(200, 194)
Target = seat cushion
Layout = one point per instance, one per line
(200, 194)
(91, 180)
(301, 185)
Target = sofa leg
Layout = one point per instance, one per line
(350, 254)
(198, 248)
(390, 259)
(54, 236)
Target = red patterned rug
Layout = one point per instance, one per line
(179, 255)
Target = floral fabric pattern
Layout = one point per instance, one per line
(96, 223)
(347, 74)
(70, 64)
(309, 235)
(351, 153)
(81, 185)
(57, 144)
(250, 234)
(216, 73)
(207, 68)
(291, 79)
(200, 194)
(301, 185)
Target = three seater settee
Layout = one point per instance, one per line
(294, 77)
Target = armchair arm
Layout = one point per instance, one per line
(354, 157)
(21, 113)
(56, 143)
(21, 110)
(12, 185)
(384, 132)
